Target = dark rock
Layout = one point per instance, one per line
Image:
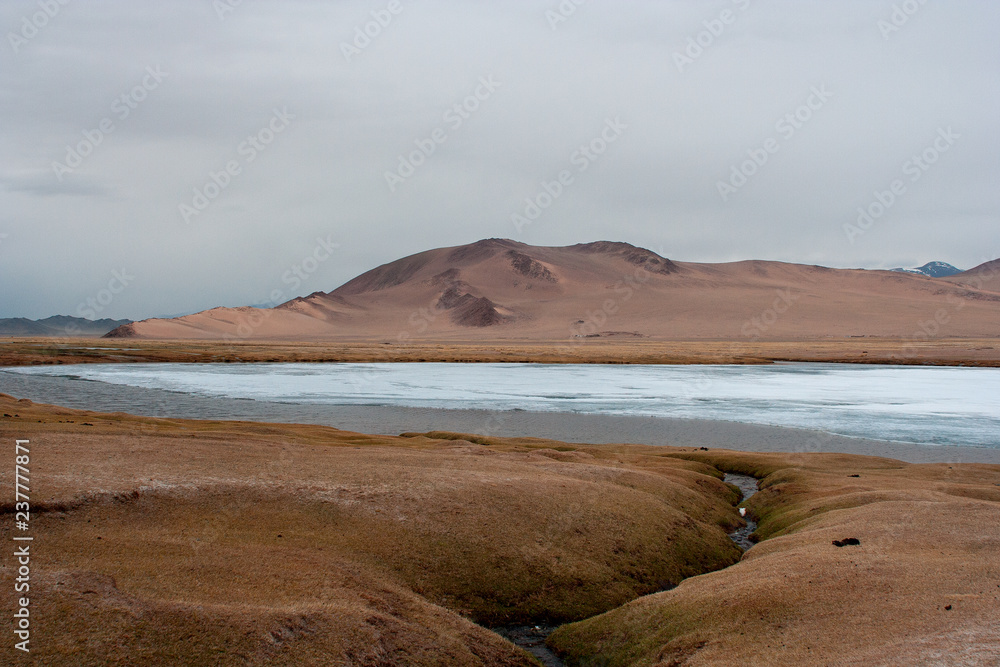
(479, 312)
(529, 267)
(847, 542)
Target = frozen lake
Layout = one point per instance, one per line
(924, 405)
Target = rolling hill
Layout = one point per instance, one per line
(497, 289)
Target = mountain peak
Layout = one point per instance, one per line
(633, 254)
(484, 249)
(499, 289)
(932, 269)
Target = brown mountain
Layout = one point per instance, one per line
(985, 277)
(500, 289)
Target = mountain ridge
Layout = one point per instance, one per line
(932, 269)
(499, 289)
(58, 325)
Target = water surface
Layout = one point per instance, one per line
(924, 405)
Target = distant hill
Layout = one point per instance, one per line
(933, 269)
(497, 289)
(985, 277)
(58, 325)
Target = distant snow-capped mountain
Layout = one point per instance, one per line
(933, 269)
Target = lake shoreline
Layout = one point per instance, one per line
(567, 427)
(911, 351)
(506, 527)
(620, 429)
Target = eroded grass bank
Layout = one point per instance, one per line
(224, 542)
(172, 541)
(922, 586)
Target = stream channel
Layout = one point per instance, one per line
(532, 637)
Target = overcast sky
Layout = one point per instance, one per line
(706, 131)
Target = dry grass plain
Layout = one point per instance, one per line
(182, 542)
(938, 351)
(165, 541)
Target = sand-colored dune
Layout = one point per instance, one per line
(498, 289)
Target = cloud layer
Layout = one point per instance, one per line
(207, 148)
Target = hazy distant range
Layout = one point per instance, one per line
(58, 325)
(498, 289)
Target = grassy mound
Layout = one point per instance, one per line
(199, 542)
(921, 587)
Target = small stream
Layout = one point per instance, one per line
(748, 485)
(532, 637)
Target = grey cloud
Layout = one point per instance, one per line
(657, 186)
(45, 184)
